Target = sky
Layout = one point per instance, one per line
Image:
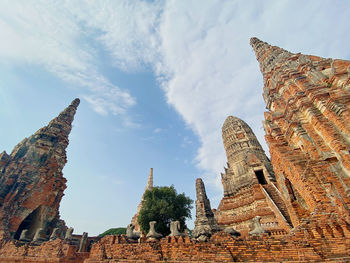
(156, 81)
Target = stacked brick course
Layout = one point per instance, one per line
(222, 248)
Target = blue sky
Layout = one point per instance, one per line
(156, 81)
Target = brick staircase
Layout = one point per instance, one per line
(275, 195)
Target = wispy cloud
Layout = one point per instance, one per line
(46, 33)
(199, 52)
(211, 71)
(127, 29)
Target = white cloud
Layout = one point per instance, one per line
(211, 71)
(127, 29)
(199, 51)
(47, 34)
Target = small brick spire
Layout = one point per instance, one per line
(149, 185)
(205, 223)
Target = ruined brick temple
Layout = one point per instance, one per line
(292, 208)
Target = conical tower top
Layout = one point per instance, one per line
(53, 136)
(149, 185)
(64, 119)
(268, 56)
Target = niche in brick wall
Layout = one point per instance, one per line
(260, 175)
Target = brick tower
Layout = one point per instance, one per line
(307, 129)
(249, 183)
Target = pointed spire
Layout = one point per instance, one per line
(149, 185)
(65, 118)
(268, 56)
(53, 136)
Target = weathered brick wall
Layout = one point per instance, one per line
(311, 245)
(56, 251)
(223, 248)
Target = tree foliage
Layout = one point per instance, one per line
(163, 204)
(113, 231)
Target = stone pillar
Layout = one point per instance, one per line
(83, 242)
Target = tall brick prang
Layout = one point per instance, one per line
(307, 129)
(249, 183)
(31, 179)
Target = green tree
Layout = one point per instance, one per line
(163, 204)
(113, 231)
